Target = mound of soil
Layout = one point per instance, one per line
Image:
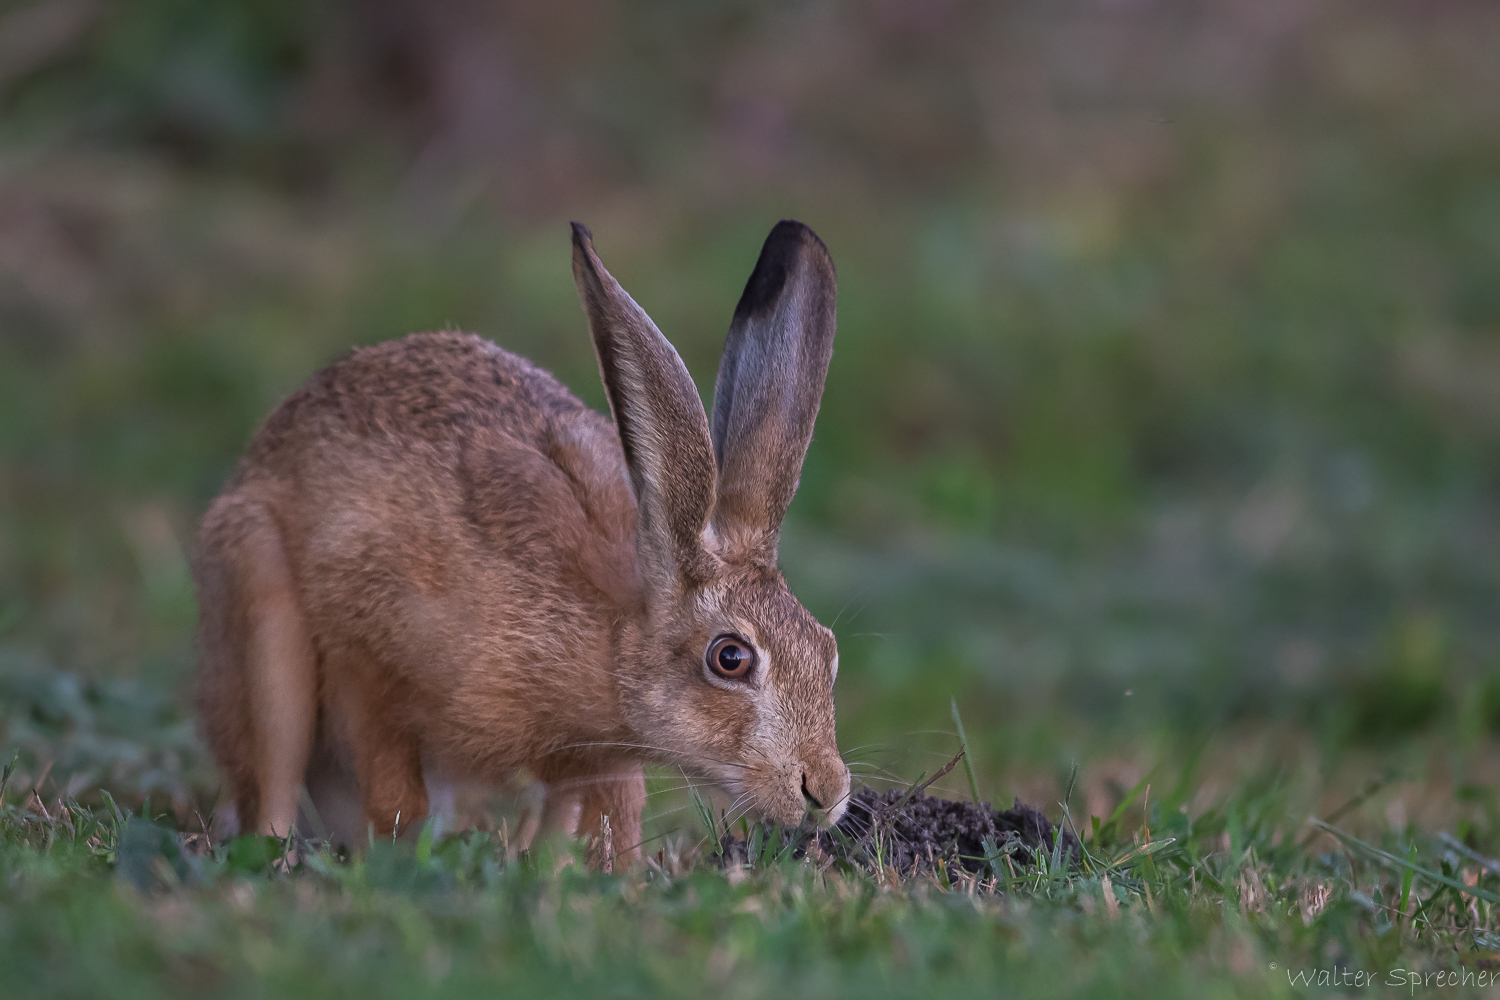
(911, 837)
(910, 832)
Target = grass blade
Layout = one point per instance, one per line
(1130, 798)
(706, 815)
(1489, 864)
(1143, 851)
(963, 743)
(1404, 863)
(1411, 861)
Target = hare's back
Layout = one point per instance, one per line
(441, 466)
(433, 388)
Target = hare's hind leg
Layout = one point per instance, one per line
(258, 688)
(334, 809)
(369, 709)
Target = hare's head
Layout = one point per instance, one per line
(726, 674)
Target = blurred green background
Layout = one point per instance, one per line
(1165, 405)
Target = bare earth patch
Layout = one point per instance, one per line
(907, 832)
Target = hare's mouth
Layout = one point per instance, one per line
(741, 791)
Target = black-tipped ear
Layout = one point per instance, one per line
(662, 426)
(770, 385)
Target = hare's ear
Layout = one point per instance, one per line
(662, 426)
(769, 387)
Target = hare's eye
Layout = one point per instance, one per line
(731, 657)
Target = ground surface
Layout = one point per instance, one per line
(1167, 898)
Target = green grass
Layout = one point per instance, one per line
(1170, 899)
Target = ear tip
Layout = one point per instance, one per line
(581, 235)
(791, 246)
(789, 234)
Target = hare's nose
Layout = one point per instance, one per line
(812, 799)
(825, 792)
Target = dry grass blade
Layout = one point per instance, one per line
(921, 788)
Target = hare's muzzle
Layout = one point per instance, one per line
(825, 790)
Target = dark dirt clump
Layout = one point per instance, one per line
(924, 829)
(910, 833)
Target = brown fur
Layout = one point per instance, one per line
(433, 559)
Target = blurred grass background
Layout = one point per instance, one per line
(1165, 407)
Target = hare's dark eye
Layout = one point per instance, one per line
(731, 657)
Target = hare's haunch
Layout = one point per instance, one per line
(434, 560)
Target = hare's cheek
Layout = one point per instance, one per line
(709, 721)
(735, 724)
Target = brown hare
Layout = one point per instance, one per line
(435, 562)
